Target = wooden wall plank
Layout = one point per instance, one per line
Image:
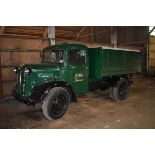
(11, 59)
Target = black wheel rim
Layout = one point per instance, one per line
(122, 89)
(58, 104)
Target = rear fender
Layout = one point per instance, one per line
(115, 80)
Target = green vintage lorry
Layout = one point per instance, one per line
(68, 70)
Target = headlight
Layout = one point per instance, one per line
(16, 70)
(27, 71)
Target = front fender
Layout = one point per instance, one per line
(39, 92)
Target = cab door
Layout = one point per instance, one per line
(77, 70)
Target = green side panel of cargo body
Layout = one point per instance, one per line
(115, 62)
(132, 62)
(118, 62)
(95, 64)
(111, 62)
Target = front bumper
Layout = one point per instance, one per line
(19, 98)
(15, 94)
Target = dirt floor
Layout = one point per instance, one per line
(96, 110)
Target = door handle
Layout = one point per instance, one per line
(85, 67)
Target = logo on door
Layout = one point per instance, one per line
(78, 77)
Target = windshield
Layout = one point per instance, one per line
(52, 56)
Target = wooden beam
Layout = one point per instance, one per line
(40, 28)
(79, 33)
(21, 36)
(66, 29)
(22, 31)
(152, 30)
(19, 50)
(96, 33)
(133, 42)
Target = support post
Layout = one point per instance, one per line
(114, 36)
(2, 29)
(51, 34)
(93, 34)
(45, 33)
(147, 55)
(1, 85)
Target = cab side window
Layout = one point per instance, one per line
(77, 57)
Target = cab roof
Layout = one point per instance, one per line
(67, 46)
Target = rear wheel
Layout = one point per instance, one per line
(56, 103)
(120, 91)
(111, 93)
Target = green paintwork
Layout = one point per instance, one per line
(40, 73)
(48, 72)
(110, 62)
(99, 63)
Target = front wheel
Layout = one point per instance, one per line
(56, 103)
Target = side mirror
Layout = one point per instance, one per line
(61, 61)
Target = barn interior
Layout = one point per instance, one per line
(23, 44)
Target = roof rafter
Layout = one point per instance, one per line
(152, 30)
(79, 33)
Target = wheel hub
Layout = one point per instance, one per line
(58, 104)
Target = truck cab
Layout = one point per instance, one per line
(64, 67)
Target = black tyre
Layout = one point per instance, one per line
(56, 103)
(120, 91)
(111, 93)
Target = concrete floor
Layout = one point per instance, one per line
(96, 110)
